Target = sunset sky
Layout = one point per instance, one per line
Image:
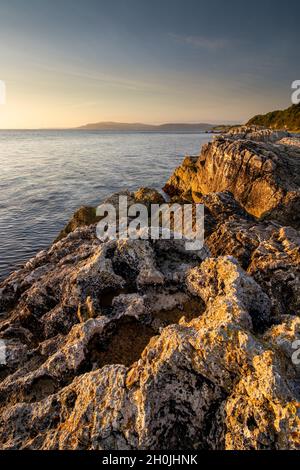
(69, 62)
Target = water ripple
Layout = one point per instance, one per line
(46, 175)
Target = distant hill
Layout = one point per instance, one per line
(138, 127)
(287, 119)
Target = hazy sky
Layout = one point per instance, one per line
(69, 62)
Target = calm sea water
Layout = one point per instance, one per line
(46, 175)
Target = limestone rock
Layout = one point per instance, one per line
(141, 344)
(294, 141)
(148, 195)
(256, 133)
(269, 252)
(208, 383)
(87, 215)
(223, 276)
(263, 177)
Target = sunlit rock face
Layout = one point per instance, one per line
(256, 133)
(264, 177)
(140, 344)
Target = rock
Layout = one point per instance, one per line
(275, 265)
(146, 195)
(294, 141)
(256, 133)
(141, 344)
(84, 216)
(135, 259)
(87, 215)
(81, 278)
(269, 252)
(224, 277)
(209, 383)
(264, 178)
(132, 305)
(286, 337)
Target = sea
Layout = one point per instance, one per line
(46, 175)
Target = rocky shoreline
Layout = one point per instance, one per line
(143, 345)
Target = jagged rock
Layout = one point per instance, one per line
(80, 278)
(87, 215)
(140, 344)
(294, 141)
(267, 251)
(224, 277)
(148, 195)
(132, 305)
(264, 178)
(205, 384)
(256, 133)
(136, 258)
(286, 337)
(275, 265)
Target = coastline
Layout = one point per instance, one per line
(159, 346)
(49, 175)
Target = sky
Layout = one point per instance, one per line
(66, 63)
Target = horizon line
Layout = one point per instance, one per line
(81, 127)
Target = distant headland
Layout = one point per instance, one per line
(139, 127)
(288, 119)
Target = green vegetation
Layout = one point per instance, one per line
(288, 119)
